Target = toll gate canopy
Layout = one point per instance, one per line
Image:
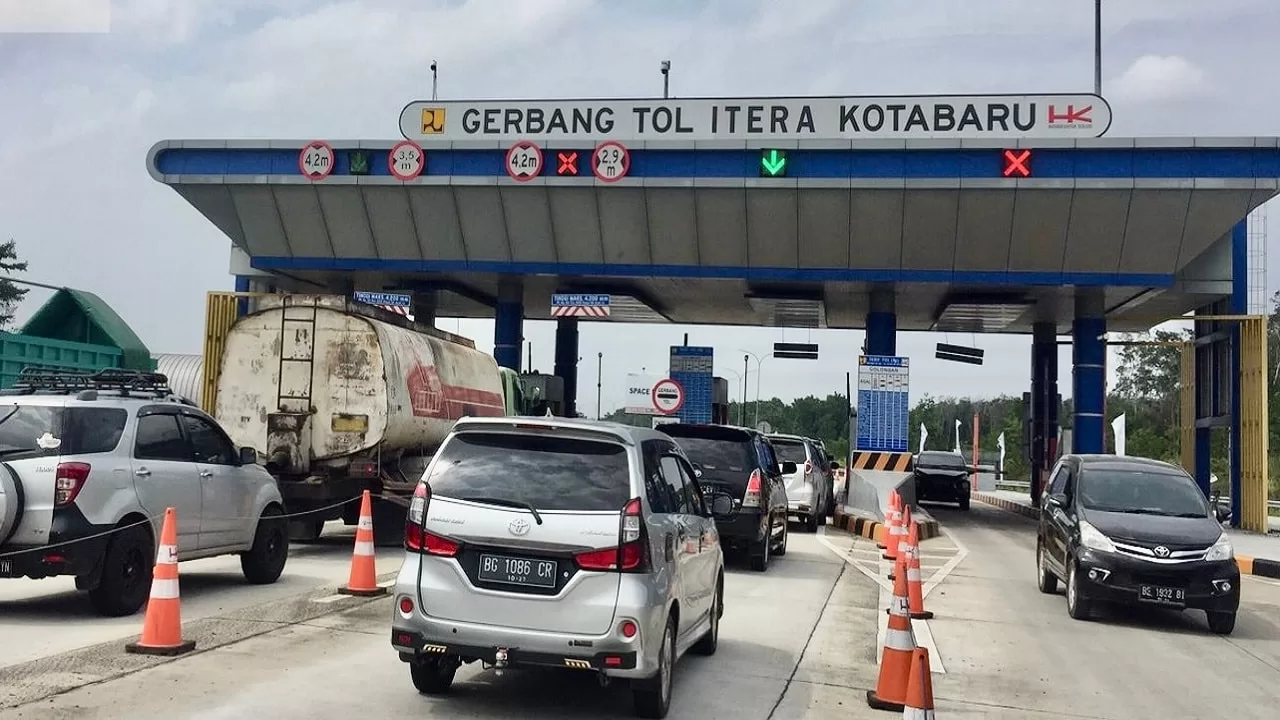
(1008, 214)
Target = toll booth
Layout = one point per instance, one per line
(720, 401)
(545, 393)
(73, 330)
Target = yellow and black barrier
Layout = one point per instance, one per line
(882, 461)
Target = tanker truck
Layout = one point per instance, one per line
(338, 397)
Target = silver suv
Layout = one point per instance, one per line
(811, 488)
(564, 543)
(88, 464)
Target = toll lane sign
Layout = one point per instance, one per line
(667, 396)
(611, 161)
(883, 402)
(524, 161)
(406, 161)
(316, 160)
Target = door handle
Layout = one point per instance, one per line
(206, 473)
(142, 472)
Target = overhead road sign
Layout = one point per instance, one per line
(1017, 163)
(398, 303)
(567, 163)
(773, 163)
(883, 402)
(524, 161)
(406, 160)
(959, 353)
(693, 368)
(667, 396)
(569, 306)
(611, 161)
(316, 160)
(955, 117)
(795, 351)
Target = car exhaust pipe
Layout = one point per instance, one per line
(604, 679)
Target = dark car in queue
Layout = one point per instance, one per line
(942, 477)
(1134, 531)
(743, 463)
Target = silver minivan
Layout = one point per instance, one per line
(564, 543)
(811, 488)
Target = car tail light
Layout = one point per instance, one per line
(406, 605)
(68, 481)
(628, 629)
(413, 519)
(752, 496)
(631, 554)
(439, 545)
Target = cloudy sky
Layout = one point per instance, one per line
(78, 111)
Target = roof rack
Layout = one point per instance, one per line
(34, 380)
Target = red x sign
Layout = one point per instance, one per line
(568, 163)
(1017, 163)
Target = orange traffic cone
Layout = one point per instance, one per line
(890, 518)
(915, 587)
(364, 574)
(896, 536)
(895, 661)
(919, 704)
(162, 628)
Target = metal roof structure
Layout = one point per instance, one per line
(693, 234)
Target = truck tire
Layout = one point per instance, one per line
(127, 566)
(264, 562)
(12, 502)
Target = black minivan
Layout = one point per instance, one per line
(1138, 532)
(743, 463)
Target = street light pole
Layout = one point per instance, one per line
(599, 380)
(759, 360)
(1097, 47)
(746, 373)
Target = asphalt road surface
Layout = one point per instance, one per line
(797, 643)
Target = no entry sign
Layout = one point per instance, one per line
(667, 396)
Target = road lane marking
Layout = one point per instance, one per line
(936, 579)
(328, 599)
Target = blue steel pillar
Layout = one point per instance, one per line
(242, 286)
(882, 323)
(1088, 377)
(1239, 306)
(508, 325)
(567, 362)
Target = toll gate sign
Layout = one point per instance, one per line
(884, 407)
(691, 367)
(316, 160)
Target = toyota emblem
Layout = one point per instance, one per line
(1161, 551)
(519, 526)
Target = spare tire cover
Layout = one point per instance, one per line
(10, 505)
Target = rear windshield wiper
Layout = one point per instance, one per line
(504, 502)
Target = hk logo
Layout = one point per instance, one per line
(1083, 116)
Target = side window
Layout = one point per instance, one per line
(768, 459)
(1058, 482)
(1069, 483)
(655, 487)
(92, 430)
(696, 500)
(207, 443)
(160, 438)
(679, 491)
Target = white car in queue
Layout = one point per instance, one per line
(564, 543)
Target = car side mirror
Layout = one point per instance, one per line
(789, 467)
(248, 456)
(697, 470)
(721, 505)
(835, 465)
(1056, 499)
(1221, 513)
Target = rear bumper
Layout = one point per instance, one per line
(75, 557)
(1114, 578)
(743, 529)
(417, 634)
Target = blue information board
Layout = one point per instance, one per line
(884, 405)
(692, 368)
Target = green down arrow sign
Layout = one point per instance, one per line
(773, 163)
